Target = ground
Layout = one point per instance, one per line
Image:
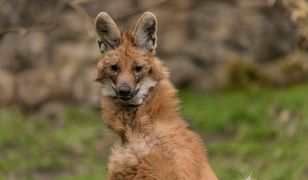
(259, 132)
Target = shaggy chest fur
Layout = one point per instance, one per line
(155, 141)
(140, 145)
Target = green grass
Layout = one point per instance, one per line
(261, 132)
(73, 147)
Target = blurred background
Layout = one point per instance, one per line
(241, 67)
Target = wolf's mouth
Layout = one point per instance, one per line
(123, 98)
(127, 98)
(136, 98)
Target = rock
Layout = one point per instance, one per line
(288, 71)
(72, 27)
(23, 13)
(117, 9)
(244, 28)
(208, 37)
(81, 52)
(71, 60)
(85, 90)
(173, 40)
(37, 86)
(6, 88)
(182, 69)
(212, 80)
(49, 59)
(68, 73)
(20, 53)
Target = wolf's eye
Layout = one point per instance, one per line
(137, 69)
(114, 67)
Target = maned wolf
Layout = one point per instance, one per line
(140, 104)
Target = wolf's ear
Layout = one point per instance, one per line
(145, 32)
(108, 33)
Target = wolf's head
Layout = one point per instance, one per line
(128, 68)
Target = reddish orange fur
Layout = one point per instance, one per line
(156, 141)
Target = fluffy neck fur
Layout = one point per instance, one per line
(161, 104)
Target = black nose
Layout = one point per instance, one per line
(124, 90)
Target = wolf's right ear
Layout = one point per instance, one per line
(108, 32)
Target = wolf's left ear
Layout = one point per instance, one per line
(145, 33)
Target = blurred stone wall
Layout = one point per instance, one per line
(48, 48)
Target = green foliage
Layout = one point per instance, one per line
(262, 132)
(243, 74)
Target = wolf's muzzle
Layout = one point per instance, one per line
(125, 92)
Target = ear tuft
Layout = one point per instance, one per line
(108, 32)
(145, 32)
